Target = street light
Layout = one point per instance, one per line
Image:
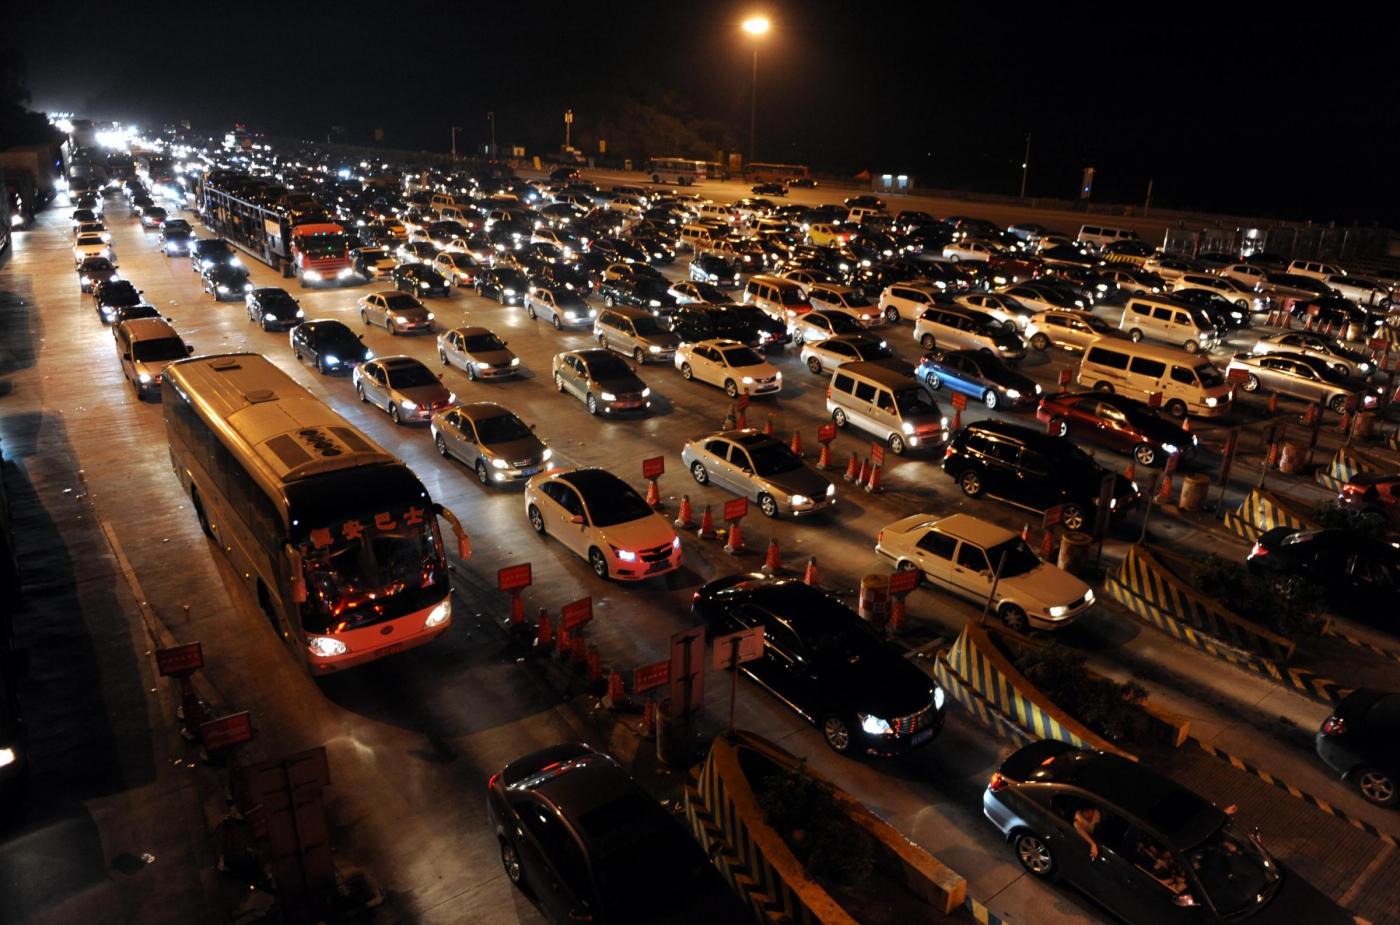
(756, 27)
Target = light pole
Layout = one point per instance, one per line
(455, 130)
(1025, 165)
(756, 27)
(491, 117)
(568, 124)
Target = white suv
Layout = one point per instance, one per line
(907, 300)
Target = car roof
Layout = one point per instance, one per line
(976, 531)
(719, 343)
(589, 480)
(399, 362)
(481, 410)
(148, 328)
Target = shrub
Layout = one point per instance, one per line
(1112, 710)
(1333, 515)
(805, 811)
(1286, 604)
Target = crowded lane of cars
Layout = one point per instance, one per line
(971, 347)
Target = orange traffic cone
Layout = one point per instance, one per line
(851, 471)
(957, 420)
(1164, 494)
(873, 485)
(899, 614)
(824, 460)
(1026, 533)
(1186, 424)
(647, 727)
(616, 697)
(564, 642)
(686, 518)
(595, 664)
(768, 427)
(735, 544)
(1172, 461)
(653, 494)
(1271, 461)
(544, 632)
(1130, 473)
(863, 475)
(1273, 403)
(772, 561)
(1345, 424)
(707, 525)
(1310, 415)
(517, 612)
(812, 576)
(1047, 544)
(796, 445)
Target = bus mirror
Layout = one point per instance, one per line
(464, 543)
(298, 577)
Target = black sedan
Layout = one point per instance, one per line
(769, 189)
(329, 345)
(273, 308)
(639, 291)
(772, 333)
(420, 279)
(983, 377)
(1144, 847)
(95, 270)
(209, 252)
(1359, 574)
(714, 269)
(225, 281)
(582, 839)
(826, 663)
(560, 276)
(696, 322)
(109, 296)
(1361, 742)
(504, 284)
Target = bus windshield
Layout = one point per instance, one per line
(371, 568)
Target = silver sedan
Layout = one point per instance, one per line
(759, 468)
(1294, 375)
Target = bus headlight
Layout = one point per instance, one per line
(326, 647)
(311, 276)
(346, 273)
(7, 757)
(439, 614)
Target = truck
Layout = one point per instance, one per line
(306, 244)
(34, 173)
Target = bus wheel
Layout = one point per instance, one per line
(199, 513)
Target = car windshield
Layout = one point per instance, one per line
(371, 567)
(608, 366)
(773, 459)
(855, 300)
(408, 376)
(501, 429)
(211, 249)
(614, 502)
(483, 342)
(161, 348)
(648, 326)
(1209, 375)
(277, 300)
(401, 302)
(913, 401)
(1019, 557)
(741, 356)
(842, 323)
(1234, 872)
(794, 297)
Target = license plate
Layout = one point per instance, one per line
(529, 470)
(658, 566)
(627, 404)
(390, 649)
(921, 737)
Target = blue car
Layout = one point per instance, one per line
(979, 375)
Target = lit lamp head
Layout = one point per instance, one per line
(756, 25)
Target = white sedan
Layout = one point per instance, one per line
(88, 245)
(730, 365)
(603, 520)
(821, 323)
(828, 354)
(962, 554)
(971, 251)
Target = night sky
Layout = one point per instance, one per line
(1250, 113)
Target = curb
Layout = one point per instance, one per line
(1330, 629)
(1240, 764)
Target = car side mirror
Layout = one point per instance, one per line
(189, 349)
(576, 519)
(298, 579)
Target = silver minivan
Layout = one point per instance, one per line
(887, 403)
(1166, 319)
(635, 333)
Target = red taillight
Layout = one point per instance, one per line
(1257, 551)
(997, 783)
(1334, 726)
(491, 784)
(948, 452)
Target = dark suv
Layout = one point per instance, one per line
(824, 662)
(1032, 470)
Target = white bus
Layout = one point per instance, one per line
(334, 537)
(678, 170)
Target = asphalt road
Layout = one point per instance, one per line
(413, 739)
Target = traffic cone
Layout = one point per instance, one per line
(1273, 403)
(851, 471)
(1186, 424)
(796, 445)
(1131, 472)
(1271, 461)
(544, 632)
(616, 698)
(1026, 533)
(594, 663)
(863, 475)
(1345, 424)
(653, 494)
(564, 642)
(647, 727)
(899, 614)
(873, 485)
(1310, 415)
(768, 427)
(743, 420)
(1172, 461)
(1164, 494)
(773, 560)
(734, 545)
(517, 612)
(707, 525)
(1047, 544)
(686, 518)
(813, 575)
(957, 420)
(824, 460)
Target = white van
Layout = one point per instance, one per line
(1186, 384)
(699, 238)
(1099, 235)
(887, 403)
(714, 211)
(145, 346)
(1315, 268)
(1169, 320)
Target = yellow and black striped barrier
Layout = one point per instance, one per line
(1330, 628)
(982, 915)
(1240, 764)
(1263, 510)
(1346, 464)
(1160, 589)
(982, 711)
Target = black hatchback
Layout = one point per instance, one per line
(329, 345)
(589, 845)
(419, 279)
(1361, 742)
(1033, 470)
(1359, 574)
(825, 663)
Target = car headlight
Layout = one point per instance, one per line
(313, 276)
(85, 281)
(1170, 449)
(907, 427)
(331, 359)
(515, 361)
(939, 698)
(646, 392)
(654, 303)
(624, 555)
(301, 314)
(799, 500)
(676, 543)
(943, 422)
(874, 725)
(408, 405)
(235, 262)
(145, 378)
(509, 291)
(222, 288)
(547, 455)
(572, 316)
(269, 316)
(424, 286)
(1212, 402)
(500, 464)
(654, 349)
(1013, 394)
(748, 380)
(369, 354)
(607, 396)
(1089, 596)
(7, 757)
(326, 647)
(430, 316)
(401, 319)
(1364, 367)
(439, 614)
(1059, 611)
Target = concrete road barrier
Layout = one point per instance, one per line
(1263, 510)
(1345, 464)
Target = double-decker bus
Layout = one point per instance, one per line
(334, 537)
(678, 170)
